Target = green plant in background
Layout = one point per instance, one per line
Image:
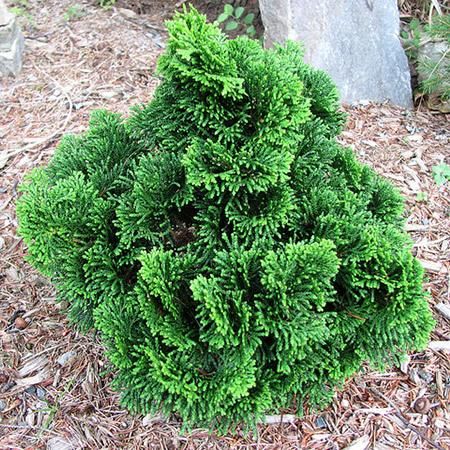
(106, 3)
(235, 19)
(441, 173)
(233, 255)
(21, 8)
(421, 196)
(428, 48)
(52, 408)
(434, 67)
(74, 12)
(411, 39)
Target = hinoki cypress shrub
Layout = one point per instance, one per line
(232, 254)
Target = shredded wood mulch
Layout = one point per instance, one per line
(55, 383)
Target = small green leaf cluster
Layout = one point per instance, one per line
(74, 12)
(106, 3)
(234, 18)
(411, 38)
(22, 8)
(232, 254)
(441, 173)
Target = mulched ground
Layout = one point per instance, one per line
(55, 383)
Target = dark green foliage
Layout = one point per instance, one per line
(231, 252)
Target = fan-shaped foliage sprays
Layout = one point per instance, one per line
(230, 251)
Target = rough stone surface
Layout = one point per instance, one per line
(66, 358)
(5, 15)
(11, 43)
(356, 42)
(8, 34)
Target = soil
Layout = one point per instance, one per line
(55, 384)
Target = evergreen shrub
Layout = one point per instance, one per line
(233, 255)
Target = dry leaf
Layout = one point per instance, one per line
(34, 365)
(359, 444)
(36, 379)
(433, 266)
(439, 345)
(283, 418)
(3, 159)
(443, 309)
(152, 418)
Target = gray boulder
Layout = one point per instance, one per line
(355, 41)
(11, 43)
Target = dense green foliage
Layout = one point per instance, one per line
(232, 254)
